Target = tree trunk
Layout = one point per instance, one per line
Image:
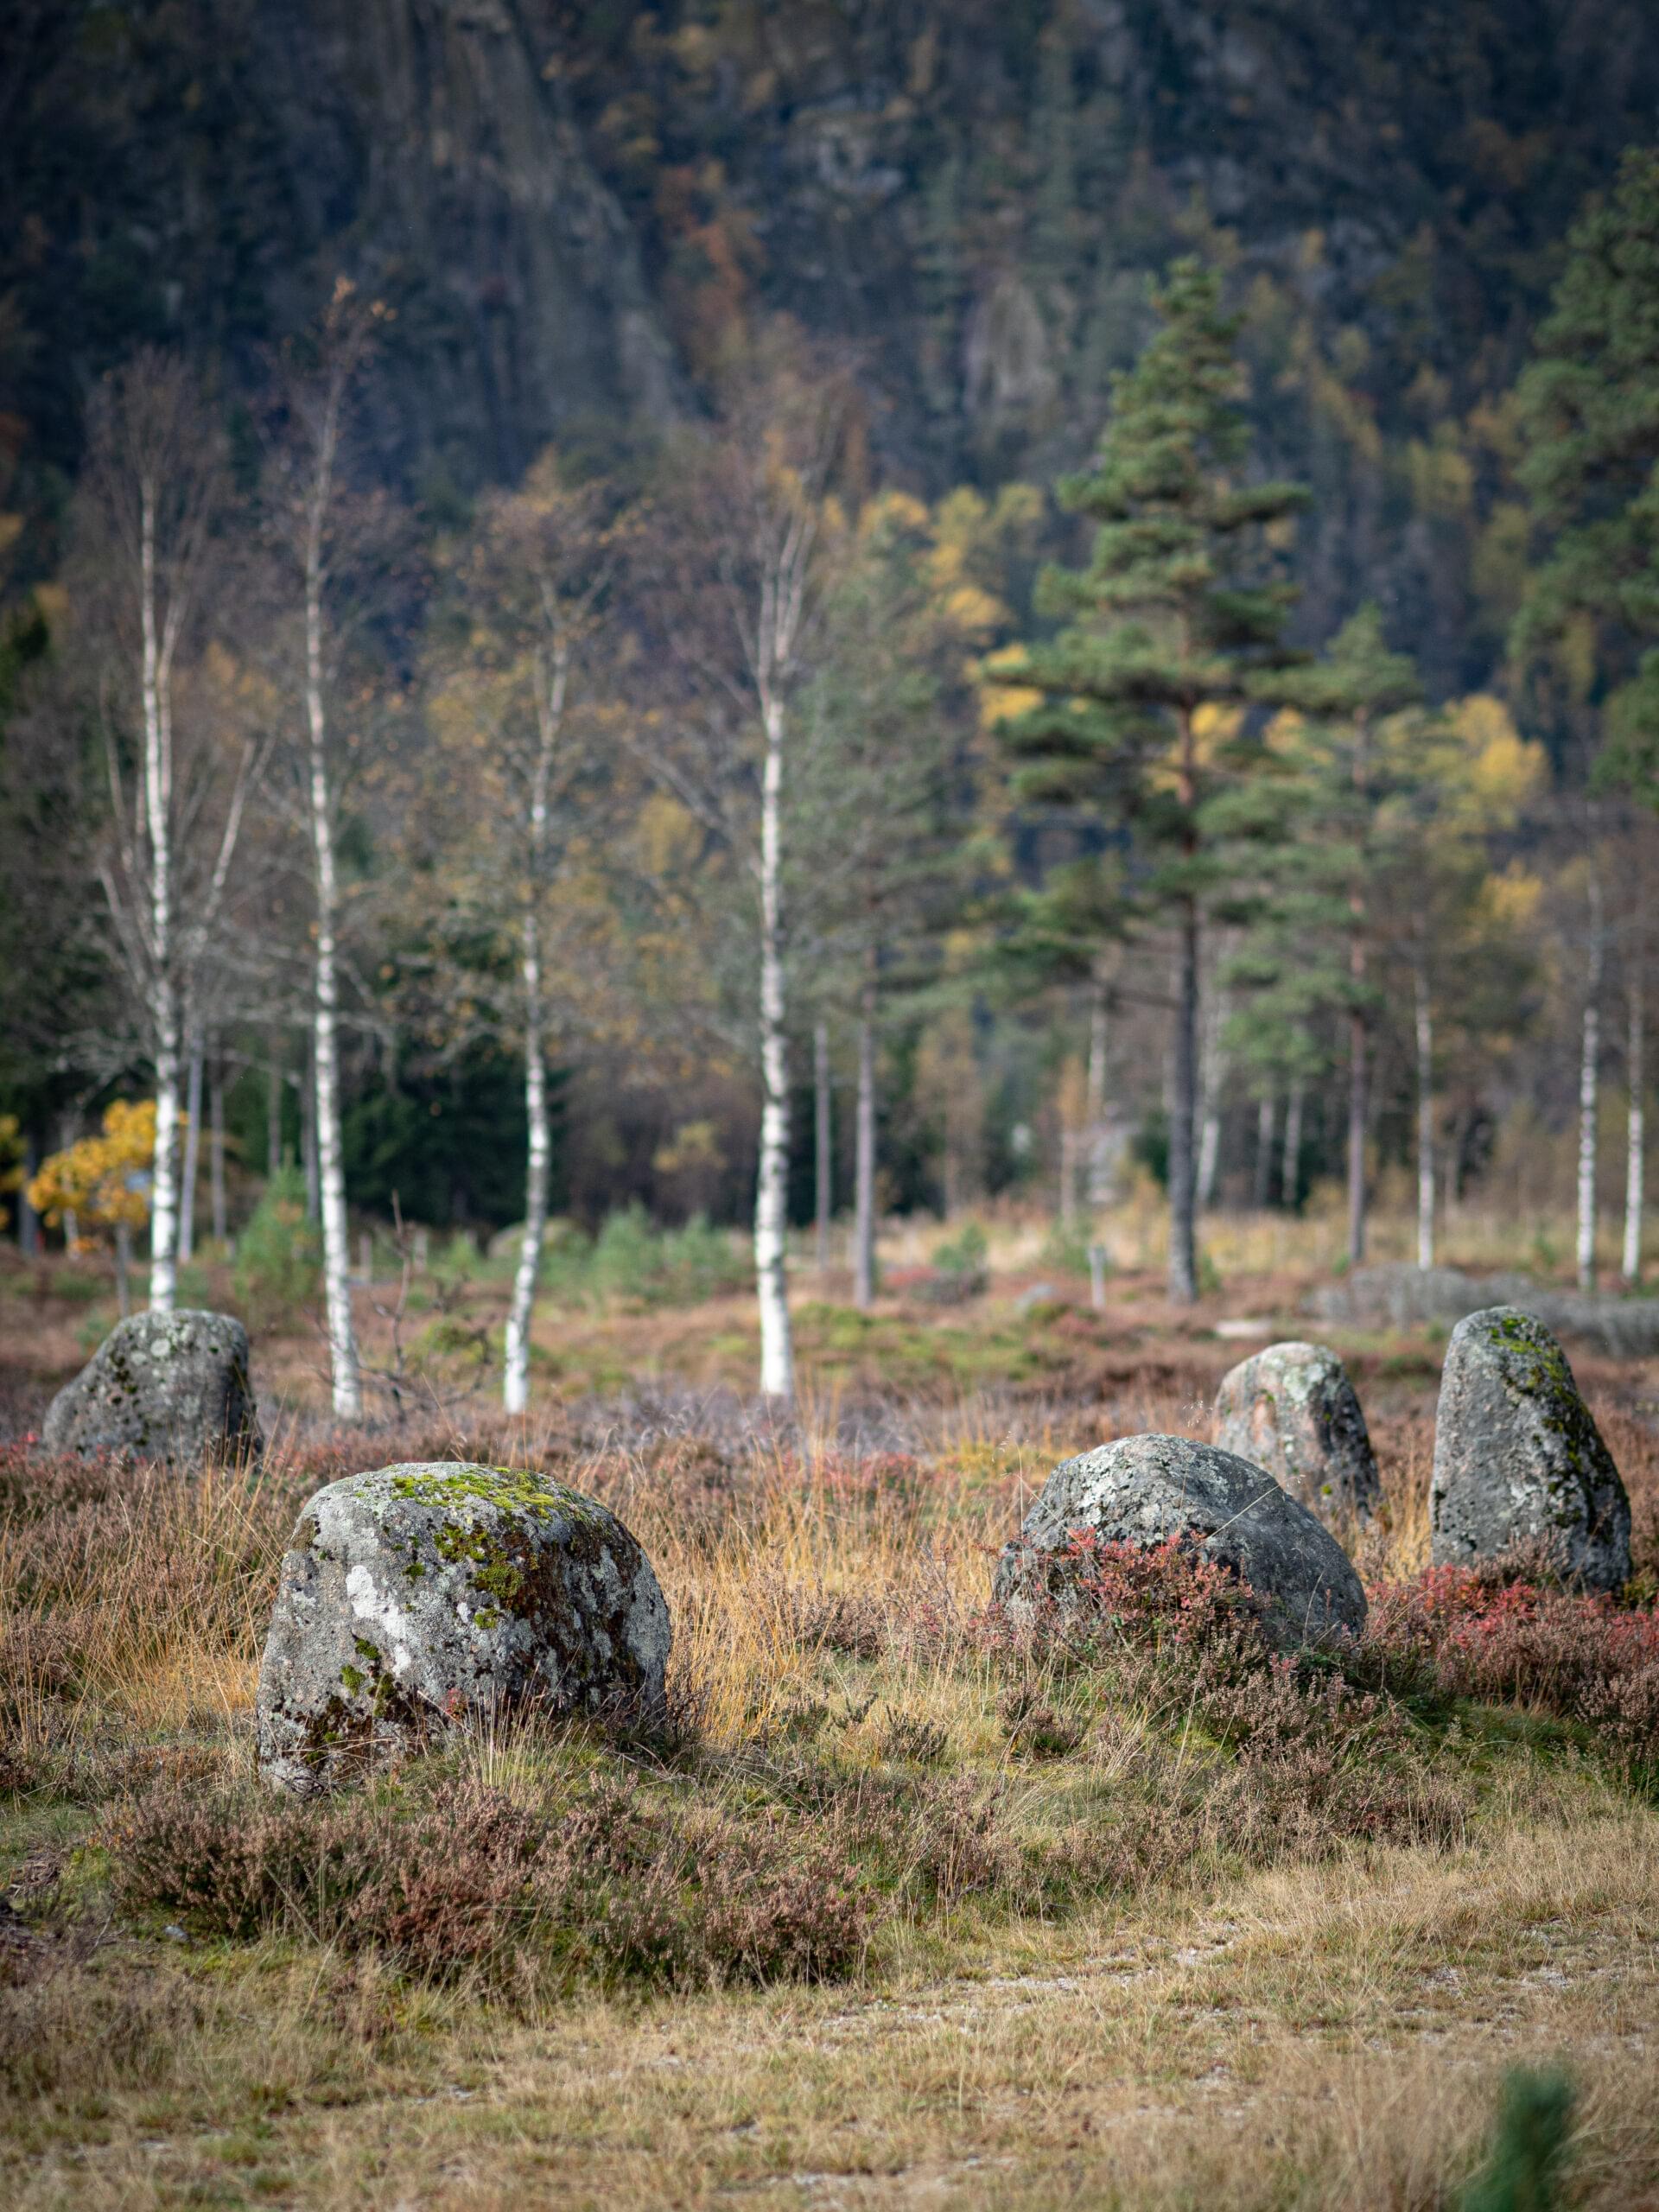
(155, 684)
(1069, 1148)
(1589, 1092)
(1290, 1174)
(273, 1110)
(823, 1135)
(122, 1267)
(1357, 1086)
(1636, 1126)
(515, 1381)
(308, 1130)
(216, 1149)
(191, 1154)
(1183, 1252)
(1267, 1115)
(1425, 1115)
(28, 1222)
(864, 1147)
(1211, 1075)
(1099, 1177)
(771, 1186)
(331, 1165)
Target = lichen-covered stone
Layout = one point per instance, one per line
(1146, 1490)
(419, 1594)
(161, 1386)
(1518, 1459)
(1292, 1409)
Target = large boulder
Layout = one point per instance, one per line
(1292, 1409)
(1146, 1491)
(161, 1386)
(1518, 1458)
(425, 1593)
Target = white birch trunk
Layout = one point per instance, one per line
(331, 1167)
(1100, 1181)
(864, 1147)
(1636, 1127)
(155, 681)
(772, 1192)
(216, 1150)
(1425, 1117)
(192, 1155)
(1213, 1070)
(515, 1384)
(824, 1140)
(1589, 1094)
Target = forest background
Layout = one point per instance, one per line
(555, 418)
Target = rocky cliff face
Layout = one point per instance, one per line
(572, 205)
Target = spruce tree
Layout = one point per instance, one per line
(1176, 621)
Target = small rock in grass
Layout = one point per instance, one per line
(1518, 1459)
(1292, 1409)
(426, 1593)
(1146, 1491)
(160, 1386)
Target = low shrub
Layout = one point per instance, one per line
(463, 1880)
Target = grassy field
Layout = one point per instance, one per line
(896, 1907)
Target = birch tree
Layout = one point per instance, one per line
(747, 532)
(517, 731)
(321, 530)
(140, 576)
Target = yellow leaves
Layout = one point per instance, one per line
(1511, 899)
(1002, 695)
(103, 1181)
(1215, 725)
(1497, 771)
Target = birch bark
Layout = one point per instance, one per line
(771, 1219)
(864, 1146)
(1425, 1039)
(1589, 1090)
(156, 688)
(325, 1017)
(550, 703)
(823, 1140)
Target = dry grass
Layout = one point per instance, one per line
(1138, 1925)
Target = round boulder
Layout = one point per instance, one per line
(425, 1593)
(1146, 1491)
(1292, 1409)
(160, 1386)
(1518, 1458)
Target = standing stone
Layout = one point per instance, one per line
(1518, 1457)
(1146, 1490)
(421, 1594)
(1292, 1409)
(161, 1386)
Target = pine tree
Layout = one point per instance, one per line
(1342, 780)
(1176, 623)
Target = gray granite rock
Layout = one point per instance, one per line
(160, 1386)
(1292, 1409)
(429, 1592)
(1518, 1457)
(1144, 1490)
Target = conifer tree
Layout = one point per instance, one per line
(1346, 838)
(1176, 621)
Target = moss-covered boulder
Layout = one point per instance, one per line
(1292, 1409)
(1518, 1458)
(161, 1386)
(1147, 1491)
(421, 1594)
